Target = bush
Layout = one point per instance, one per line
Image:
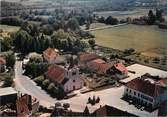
(129, 51)
(66, 106)
(39, 80)
(45, 83)
(52, 89)
(35, 69)
(8, 81)
(10, 58)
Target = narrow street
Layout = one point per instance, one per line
(24, 85)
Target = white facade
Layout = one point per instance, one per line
(74, 80)
(146, 99)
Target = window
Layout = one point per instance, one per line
(130, 91)
(134, 93)
(139, 94)
(73, 87)
(74, 73)
(127, 90)
(73, 80)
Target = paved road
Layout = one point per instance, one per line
(24, 85)
(106, 27)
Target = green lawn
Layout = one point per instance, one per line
(141, 38)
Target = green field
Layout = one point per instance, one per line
(141, 38)
(9, 28)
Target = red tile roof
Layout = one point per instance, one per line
(111, 111)
(2, 61)
(145, 87)
(86, 57)
(50, 53)
(99, 65)
(99, 61)
(56, 73)
(121, 68)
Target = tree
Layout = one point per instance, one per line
(10, 58)
(97, 100)
(112, 21)
(92, 42)
(57, 104)
(35, 58)
(151, 18)
(88, 25)
(53, 90)
(47, 29)
(8, 81)
(89, 100)
(31, 28)
(86, 111)
(158, 14)
(93, 102)
(5, 44)
(101, 20)
(45, 83)
(39, 80)
(66, 106)
(23, 41)
(129, 51)
(35, 69)
(61, 92)
(73, 24)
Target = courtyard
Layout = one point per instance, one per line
(111, 96)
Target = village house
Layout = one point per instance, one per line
(110, 111)
(2, 64)
(98, 66)
(147, 91)
(105, 110)
(117, 70)
(84, 58)
(50, 55)
(26, 106)
(69, 78)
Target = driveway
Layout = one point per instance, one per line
(25, 85)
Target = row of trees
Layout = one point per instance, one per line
(54, 90)
(29, 39)
(13, 21)
(26, 43)
(151, 19)
(155, 17)
(109, 20)
(35, 67)
(64, 41)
